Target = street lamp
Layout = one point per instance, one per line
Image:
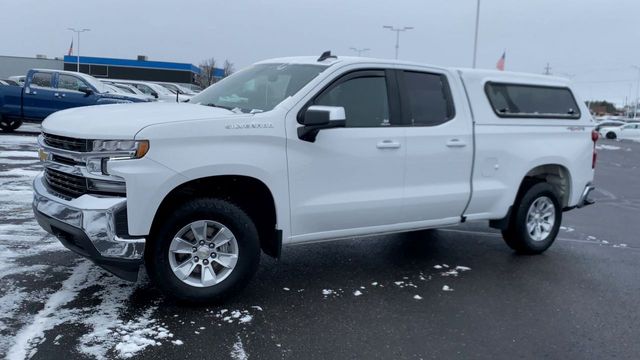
(359, 51)
(397, 30)
(635, 108)
(475, 41)
(78, 52)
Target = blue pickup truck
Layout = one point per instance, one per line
(47, 91)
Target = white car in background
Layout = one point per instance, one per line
(19, 79)
(129, 89)
(628, 131)
(159, 92)
(117, 90)
(177, 88)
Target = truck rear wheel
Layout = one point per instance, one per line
(535, 220)
(8, 125)
(205, 251)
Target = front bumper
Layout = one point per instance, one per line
(89, 225)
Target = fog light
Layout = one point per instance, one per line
(94, 165)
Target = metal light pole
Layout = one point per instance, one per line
(635, 108)
(475, 41)
(398, 30)
(78, 52)
(359, 51)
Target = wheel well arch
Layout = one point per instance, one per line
(252, 195)
(556, 175)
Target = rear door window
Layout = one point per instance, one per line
(429, 98)
(532, 101)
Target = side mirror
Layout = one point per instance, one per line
(86, 90)
(318, 117)
(154, 94)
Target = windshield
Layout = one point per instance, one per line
(259, 87)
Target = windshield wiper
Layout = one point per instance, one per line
(219, 106)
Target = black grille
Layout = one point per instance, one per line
(66, 184)
(67, 143)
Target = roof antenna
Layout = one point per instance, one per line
(326, 55)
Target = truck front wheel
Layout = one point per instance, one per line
(8, 125)
(535, 220)
(204, 251)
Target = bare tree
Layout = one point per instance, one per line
(228, 68)
(207, 72)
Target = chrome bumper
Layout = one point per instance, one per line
(92, 216)
(584, 198)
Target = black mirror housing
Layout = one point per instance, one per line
(86, 90)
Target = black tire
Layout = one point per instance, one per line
(218, 210)
(611, 135)
(9, 125)
(516, 234)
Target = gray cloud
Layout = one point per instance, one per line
(590, 40)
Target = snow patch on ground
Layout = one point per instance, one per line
(237, 352)
(447, 288)
(567, 228)
(25, 342)
(607, 147)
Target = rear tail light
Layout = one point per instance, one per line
(594, 137)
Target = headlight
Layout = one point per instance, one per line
(132, 149)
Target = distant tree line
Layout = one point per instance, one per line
(602, 106)
(208, 71)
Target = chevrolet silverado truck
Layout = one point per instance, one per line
(47, 91)
(306, 149)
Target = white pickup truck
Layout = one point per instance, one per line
(306, 149)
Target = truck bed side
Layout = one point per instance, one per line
(509, 149)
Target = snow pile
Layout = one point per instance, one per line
(237, 352)
(357, 293)
(327, 293)
(136, 335)
(447, 288)
(235, 316)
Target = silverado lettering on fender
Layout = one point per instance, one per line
(322, 148)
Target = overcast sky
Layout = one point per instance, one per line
(595, 42)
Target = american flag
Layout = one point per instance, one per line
(500, 64)
(71, 48)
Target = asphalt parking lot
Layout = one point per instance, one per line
(449, 293)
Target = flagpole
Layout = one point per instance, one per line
(78, 52)
(475, 42)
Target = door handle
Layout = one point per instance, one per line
(56, 94)
(453, 143)
(32, 92)
(388, 144)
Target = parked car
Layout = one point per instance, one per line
(118, 90)
(628, 131)
(175, 88)
(298, 150)
(20, 79)
(130, 89)
(608, 124)
(47, 91)
(9, 82)
(159, 92)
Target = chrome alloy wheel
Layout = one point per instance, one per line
(203, 253)
(540, 218)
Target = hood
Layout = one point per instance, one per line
(123, 121)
